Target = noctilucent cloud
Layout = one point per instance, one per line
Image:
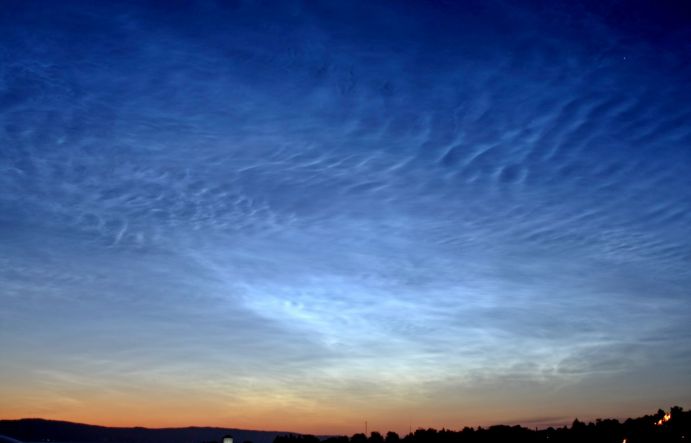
(304, 215)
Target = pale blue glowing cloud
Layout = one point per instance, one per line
(395, 199)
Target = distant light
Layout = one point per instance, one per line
(664, 419)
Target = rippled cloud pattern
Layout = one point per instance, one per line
(298, 214)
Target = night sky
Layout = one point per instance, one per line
(304, 215)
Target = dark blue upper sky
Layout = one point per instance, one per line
(304, 214)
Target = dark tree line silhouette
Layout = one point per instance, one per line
(656, 428)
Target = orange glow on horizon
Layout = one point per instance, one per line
(162, 408)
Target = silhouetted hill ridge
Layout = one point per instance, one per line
(660, 427)
(38, 429)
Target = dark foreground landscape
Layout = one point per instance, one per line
(661, 427)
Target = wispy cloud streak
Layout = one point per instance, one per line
(394, 202)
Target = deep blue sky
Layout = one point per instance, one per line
(302, 215)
